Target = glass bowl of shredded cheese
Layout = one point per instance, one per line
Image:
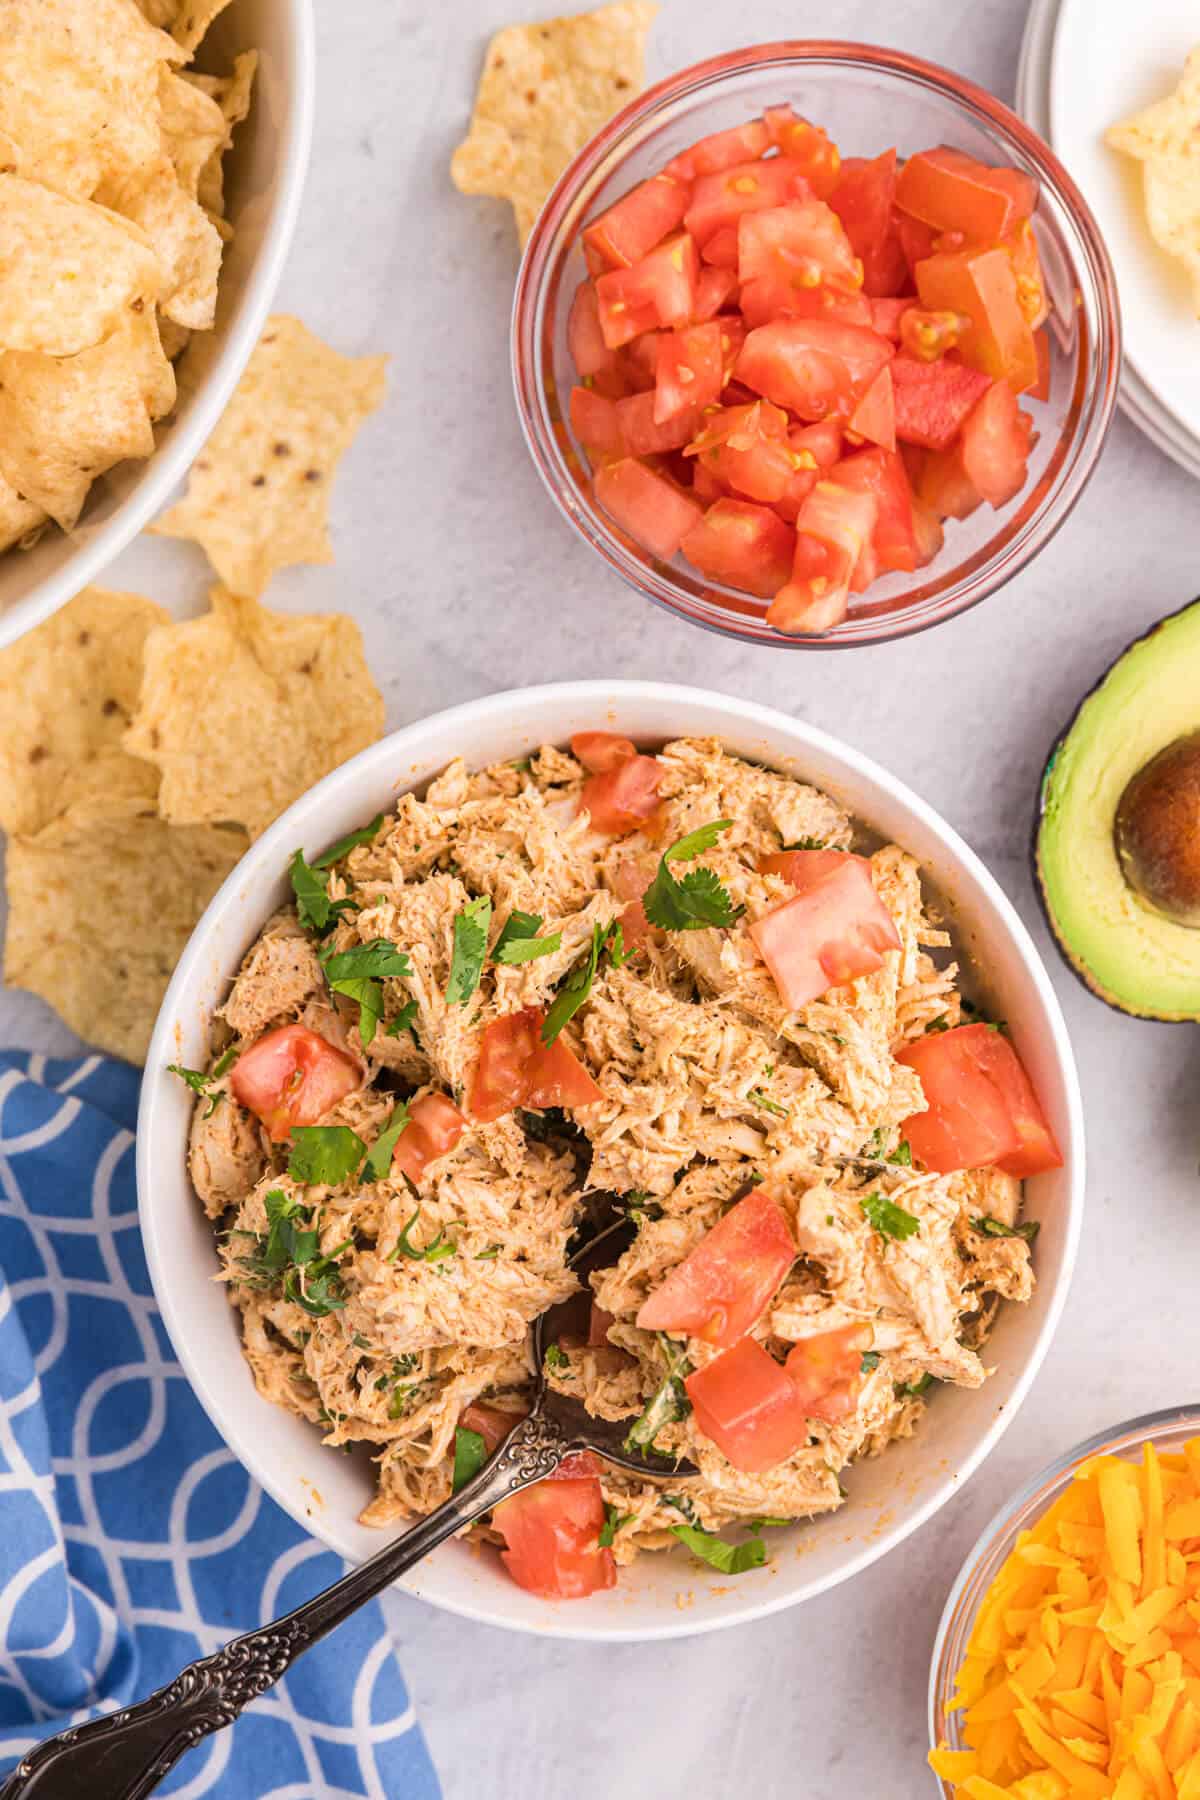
(1067, 1661)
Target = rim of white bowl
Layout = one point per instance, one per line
(166, 468)
(397, 749)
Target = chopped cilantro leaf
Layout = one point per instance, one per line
(359, 974)
(941, 1023)
(346, 844)
(311, 1281)
(556, 1357)
(759, 1098)
(888, 1219)
(990, 1227)
(728, 1559)
(613, 1521)
(767, 1520)
(316, 911)
(470, 1454)
(912, 1390)
(378, 1163)
(519, 941)
(437, 1251)
(488, 1255)
(698, 900)
(403, 1021)
(577, 984)
(324, 1155)
(809, 843)
(668, 1403)
(201, 1083)
(470, 945)
(902, 1154)
(870, 1361)
(316, 1289)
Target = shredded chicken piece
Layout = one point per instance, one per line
(379, 1312)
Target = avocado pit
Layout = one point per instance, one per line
(1157, 832)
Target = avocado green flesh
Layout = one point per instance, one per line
(1131, 956)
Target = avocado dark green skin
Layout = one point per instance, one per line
(1039, 887)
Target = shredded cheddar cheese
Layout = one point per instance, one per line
(1082, 1677)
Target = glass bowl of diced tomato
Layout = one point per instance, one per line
(816, 344)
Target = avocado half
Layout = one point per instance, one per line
(1132, 956)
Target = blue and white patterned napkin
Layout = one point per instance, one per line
(131, 1540)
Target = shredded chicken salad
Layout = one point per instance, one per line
(558, 978)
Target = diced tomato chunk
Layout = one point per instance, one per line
(492, 1425)
(744, 1401)
(795, 247)
(995, 445)
(596, 423)
(833, 532)
(706, 486)
(1021, 247)
(723, 1286)
(801, 868)
(646, 505)
(982, 286)
(950, 191)
(638, 361)
(599, 751)
(585, 340)
(714, 289)
(934, 399)
(516, 1069)
(829, 933)
(292, 1076)
(874, 417)
(719, 200)
(690, 371)
(917, 241)
(886, 314)
(720, 250)
(862, 200)
(658, 290)
(552, 1536)
(826, 1372)
(881, 472)
(720, 150)
(621, 799)
(927, 529)
(816, 367)
(982, 1108)
(434, 1128)
(746, 447)
(638, 221)
(809, 148)
(944, 487)
(743, 545)
(642, 433)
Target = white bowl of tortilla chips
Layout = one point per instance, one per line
(134, 277)
(658, 1596)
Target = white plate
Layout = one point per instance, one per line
(1108, 60)
(660, 1596)
(1033, 103)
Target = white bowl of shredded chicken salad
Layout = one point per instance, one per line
(652, 943)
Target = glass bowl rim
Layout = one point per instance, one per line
(1090, 265)
(1142, 1428)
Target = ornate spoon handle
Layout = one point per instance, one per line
(124, 1755)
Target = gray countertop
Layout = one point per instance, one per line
(465, 581)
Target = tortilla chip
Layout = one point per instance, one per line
(258, 494)
(193, 20)
(1165, 139)
(78, 86)
(545, 90)
(64, 420)
(232, 93)
(184, 240)
(194, 127)
(69, 271)
(162, 13)
(101, 903)
(70, 689)
(244, 709)
(19, 518)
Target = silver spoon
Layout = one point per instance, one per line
(124, 1755)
